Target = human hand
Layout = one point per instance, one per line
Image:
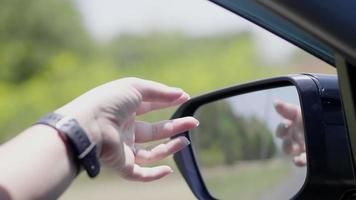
(107, 114)
(291, 131)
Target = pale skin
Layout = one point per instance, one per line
(36, 164)
(291, 131)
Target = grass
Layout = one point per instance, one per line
(246, 180)
(243, 181)
(108, 185)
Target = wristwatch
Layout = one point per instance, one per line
(83, 149)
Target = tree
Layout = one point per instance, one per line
(32, 31)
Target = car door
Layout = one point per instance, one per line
(339, 53)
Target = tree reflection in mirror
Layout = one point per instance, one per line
(251, 146)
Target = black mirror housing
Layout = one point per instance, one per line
(329, 166)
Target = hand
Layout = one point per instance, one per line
(107, 113)
(291, 130)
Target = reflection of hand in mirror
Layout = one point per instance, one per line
(291, 131)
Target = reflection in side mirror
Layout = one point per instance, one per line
(251, 146)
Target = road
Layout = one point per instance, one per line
(289, 187)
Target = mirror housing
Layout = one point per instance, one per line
(329, 166)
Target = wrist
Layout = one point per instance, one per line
(83, 149)
(86, 120)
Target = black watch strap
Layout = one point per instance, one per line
(83, 149)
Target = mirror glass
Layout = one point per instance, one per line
(251, 146)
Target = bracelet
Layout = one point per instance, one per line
(83, 149)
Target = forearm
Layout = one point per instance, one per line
(36, 165)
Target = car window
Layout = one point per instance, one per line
(257, 12)
(52, 51)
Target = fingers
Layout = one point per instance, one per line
(293, 142)
(283, 129)
(291, 147)
(125, 165)
(293, 138)
(145, 132)
(159, 152)
(155, 92)
(146, 174)
(150, 106)
(144, 156)
(287, 110)
(300, 160)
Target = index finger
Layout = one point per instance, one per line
(146, 132)
(152, 91)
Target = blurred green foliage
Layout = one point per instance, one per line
(33, 31)
(47, 58)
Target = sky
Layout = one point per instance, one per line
(108, 18)
(105, 18)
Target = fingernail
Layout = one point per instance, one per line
(277, 102)
(186, 95)
(185, 140)
(197, 123)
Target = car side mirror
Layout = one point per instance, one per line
(277, 138)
